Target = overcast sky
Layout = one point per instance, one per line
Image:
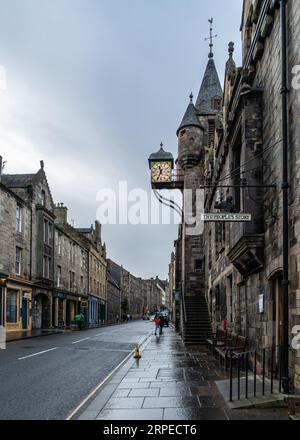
(93, 87)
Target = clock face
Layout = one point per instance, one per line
(161, 172)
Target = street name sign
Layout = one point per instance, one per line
(227, 217)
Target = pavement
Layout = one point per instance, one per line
(30, 334)
(171, 383)
(46, 378)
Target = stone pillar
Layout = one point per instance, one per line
(56, 306)
(64, 310)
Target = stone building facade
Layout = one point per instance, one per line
(71, 272)
(49, 271)
(15, 262)
(133, 296)
(34, 191)
(97, 275)
(244, 262)
(172, 287)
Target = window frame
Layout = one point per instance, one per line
(18, 262)
(19, 222)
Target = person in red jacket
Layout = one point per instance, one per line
(157, 324)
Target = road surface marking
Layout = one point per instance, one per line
(37, 354)
(81, 340)
(76, 410)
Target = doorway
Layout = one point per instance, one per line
(24, 313)
(278, 311)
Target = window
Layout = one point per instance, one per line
(50, 233)
(46, 232)
(71, 280)
(237, 175)
(18, 261)
(199, 266)
(217, 103)
(46, 267)
(19, 218)
(43, 198)
(12, 306)
(59, 243)
(58, 276)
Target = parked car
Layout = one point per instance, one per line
(146, 317)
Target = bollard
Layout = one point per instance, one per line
(137, 354)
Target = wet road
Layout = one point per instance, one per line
(46, 378)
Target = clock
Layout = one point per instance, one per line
(161, 165)
(161, 172)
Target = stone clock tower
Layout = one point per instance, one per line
(195, 137)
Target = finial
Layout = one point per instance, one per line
(210, 38)
(231, 48)
(161, 146)
(42, 164)
(191, 97)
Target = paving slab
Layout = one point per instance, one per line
(171, 382)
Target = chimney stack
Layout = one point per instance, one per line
(61, 213)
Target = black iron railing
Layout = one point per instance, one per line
(255, 373)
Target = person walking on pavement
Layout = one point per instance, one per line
(80, 319)
(161, 324)
(157, 324)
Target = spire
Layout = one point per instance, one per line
(210, 88)
(190, 118)
(230, 65)
(211, 38)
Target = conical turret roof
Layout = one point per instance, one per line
(190, 118)
(210, 88)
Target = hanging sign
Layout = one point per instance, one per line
(227, 217)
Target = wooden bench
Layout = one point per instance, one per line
(217, 340)
(231, 349)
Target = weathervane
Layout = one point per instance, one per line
(210, 38)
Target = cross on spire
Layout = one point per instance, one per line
(211, 38)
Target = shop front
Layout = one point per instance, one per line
(73, 308)
(96, 312)
(16, 306)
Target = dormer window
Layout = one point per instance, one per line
(217, 103)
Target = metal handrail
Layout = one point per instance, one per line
(242, 361)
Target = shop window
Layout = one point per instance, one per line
(12, 306)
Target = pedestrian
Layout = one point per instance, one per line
(117, 318)
(157, 324)
(80, 318)
(161, 324)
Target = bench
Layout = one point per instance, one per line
(217, 340)
(232, 347)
